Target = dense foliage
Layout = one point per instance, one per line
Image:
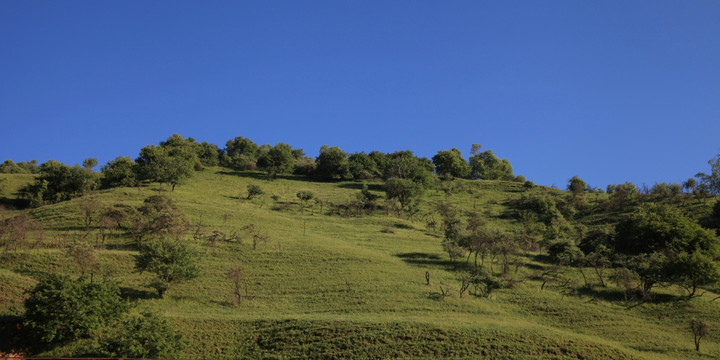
(60, 309)
(171, 261)
(146, 336)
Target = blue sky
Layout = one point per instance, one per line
(611, 91)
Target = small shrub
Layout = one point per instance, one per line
(253, 191)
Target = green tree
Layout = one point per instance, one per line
(171, 261)
(305, 196)
(10, 167)
(577, 186)
(253, 191)
(240, 154)
(406, 191)
(158, 216)
(59, 309)
(332, 164)
(277, 160)
(666, 246)
(487, 166)
(362, 166)
(173, 162)
(90, 163)
(657, 227)
(147, 336)
(622, 194)
(405, 165)
(711, 181)
(689, 185)
(694, 270)
(699, 329)
(118, 172)
(208, 154)
(451, 163)
(58, 182)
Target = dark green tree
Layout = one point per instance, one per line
(362, 166)
(208, 154)
(118, 172)
(666, 246)
(58, 182)
(577, 186)
(657, 227)
(60, 309)
(90, 163)
(451, 163)
(253, 191)
(240, 154)
(277, 160)
(332, 164)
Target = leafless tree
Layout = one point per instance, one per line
(84, 255)
(256, 234)
(88, 208)
(237, 276)
(14, 232)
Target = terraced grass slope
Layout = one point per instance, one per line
(329, 286)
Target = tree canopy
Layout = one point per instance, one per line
(451, 163)
(332, 164)
(173, 162)
(277, 160)
(487, 166)
(171, 261)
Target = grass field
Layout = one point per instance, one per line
(328, 286)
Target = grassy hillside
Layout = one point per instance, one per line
(332, 286)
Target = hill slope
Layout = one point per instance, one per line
(332, 286)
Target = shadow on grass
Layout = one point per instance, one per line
(262, 176)
(425, 259)
(12, 337)
(18, 204)
(135, 294)
(359, 186)
(632, 299)
(73, 228)
(123, 247)
(542, 258)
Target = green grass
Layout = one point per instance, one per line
(339, 287)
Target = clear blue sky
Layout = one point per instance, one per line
(611, 91)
